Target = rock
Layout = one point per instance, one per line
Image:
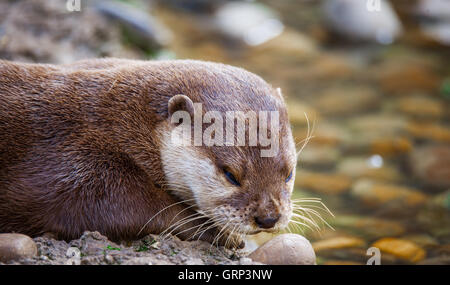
(421, 107)
(251, 23)
(54, 38)
(383, 124)
(363, 167)
(330, 67)
(338, 243)
(403, 78)
(318, 157)
(358, 21)
(300, 113)
(323, 183)
(434, 217)
(390, 146)
(429, 131)
(285, 249)
(325, 134)
(431, 164)
(400, 248)
(373, 194)
(14, 247)
(245, 261)
(146, 30)
(422, 240)
(435, 19)
(368, 227)
(345, 101)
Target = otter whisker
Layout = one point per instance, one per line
(309, 211)
(308, 134)
(171, 205)
(312, 200)
(300, 223)
(308, 219)
(180, 223)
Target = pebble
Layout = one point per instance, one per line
(338, 243)
(360, 167)
(427, 131)
(383, 124)
(16, 246)
(401, 248)
(285, 249)
(431, 164)
(420, 107)
(300, 113)
(251, 23)
(323, 182)
(373, 194)
(148, 31)
(404, 79)
(324, 134)
(329, 67)
(368, 228)
(391, 146)
(245, 261)
(359, 21)
(347, 100)
(319, 157)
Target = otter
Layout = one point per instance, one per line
(87, 146)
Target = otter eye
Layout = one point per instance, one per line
(289, 177)
(231, 178)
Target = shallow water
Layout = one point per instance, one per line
(380, 153)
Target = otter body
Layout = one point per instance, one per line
(85, 146)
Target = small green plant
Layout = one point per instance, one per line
(112, 248)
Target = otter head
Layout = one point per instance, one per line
(243, 186)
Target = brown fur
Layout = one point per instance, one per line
(79, 148)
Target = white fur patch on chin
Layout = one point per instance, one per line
(190, 174)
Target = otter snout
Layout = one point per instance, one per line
(267, 221)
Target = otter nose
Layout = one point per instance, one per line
(267, 222)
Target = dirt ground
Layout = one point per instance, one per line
(93, 248)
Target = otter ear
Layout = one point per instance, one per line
(180, 103)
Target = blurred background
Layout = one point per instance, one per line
(372, 76)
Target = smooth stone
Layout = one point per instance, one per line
(147, 30)
(329, 67)
(401, 248)
(358, 21)
(382, 124)
(325, 134)
(251, 23)
(339, 242)
(318, 157)
(346, 101)
(404, 79)
(301, 113)
(373, 194)
(435, 19)
(421, 107)
(391, 146)
(368, 227)
(16, 246)
(361, 167)
(323, 183)
(285, 249)
(428, 131)
(431, 164)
